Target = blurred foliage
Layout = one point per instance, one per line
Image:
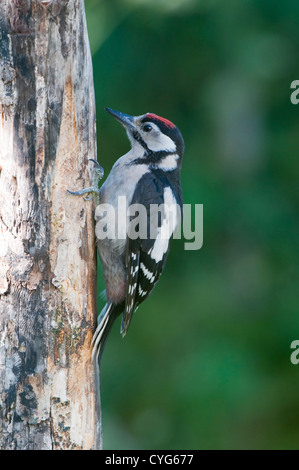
(206, 362)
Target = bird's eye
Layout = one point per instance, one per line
(147, 128)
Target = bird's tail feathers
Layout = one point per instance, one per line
(105, 322)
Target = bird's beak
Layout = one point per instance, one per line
(126, 120)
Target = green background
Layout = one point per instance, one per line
(206, 362)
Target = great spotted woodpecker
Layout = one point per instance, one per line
(148, 175)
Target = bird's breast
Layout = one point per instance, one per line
(115, 197)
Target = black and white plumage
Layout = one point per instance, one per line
(149, 174)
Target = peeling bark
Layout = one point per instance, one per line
(48, 396)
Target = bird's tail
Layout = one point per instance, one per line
(105, 322)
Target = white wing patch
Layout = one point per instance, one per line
(132, 287)
(147, 273)
(141, 292)
(168, 226)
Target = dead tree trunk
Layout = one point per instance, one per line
(47, 251)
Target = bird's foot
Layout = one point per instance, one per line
(94, 189)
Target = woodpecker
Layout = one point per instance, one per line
(148, 175)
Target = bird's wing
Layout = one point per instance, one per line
(146, 256)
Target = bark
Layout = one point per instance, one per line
(48, 396)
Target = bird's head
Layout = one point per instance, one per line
(156, 135)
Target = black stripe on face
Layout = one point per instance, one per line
(140, 140)
(152, 157)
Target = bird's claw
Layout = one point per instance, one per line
(97, 176)
(98, 171)
(81, 192)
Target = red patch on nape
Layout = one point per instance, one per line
(159, 118)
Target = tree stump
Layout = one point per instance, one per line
(48, 389)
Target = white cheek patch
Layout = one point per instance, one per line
(167, 228)
(160, 142)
